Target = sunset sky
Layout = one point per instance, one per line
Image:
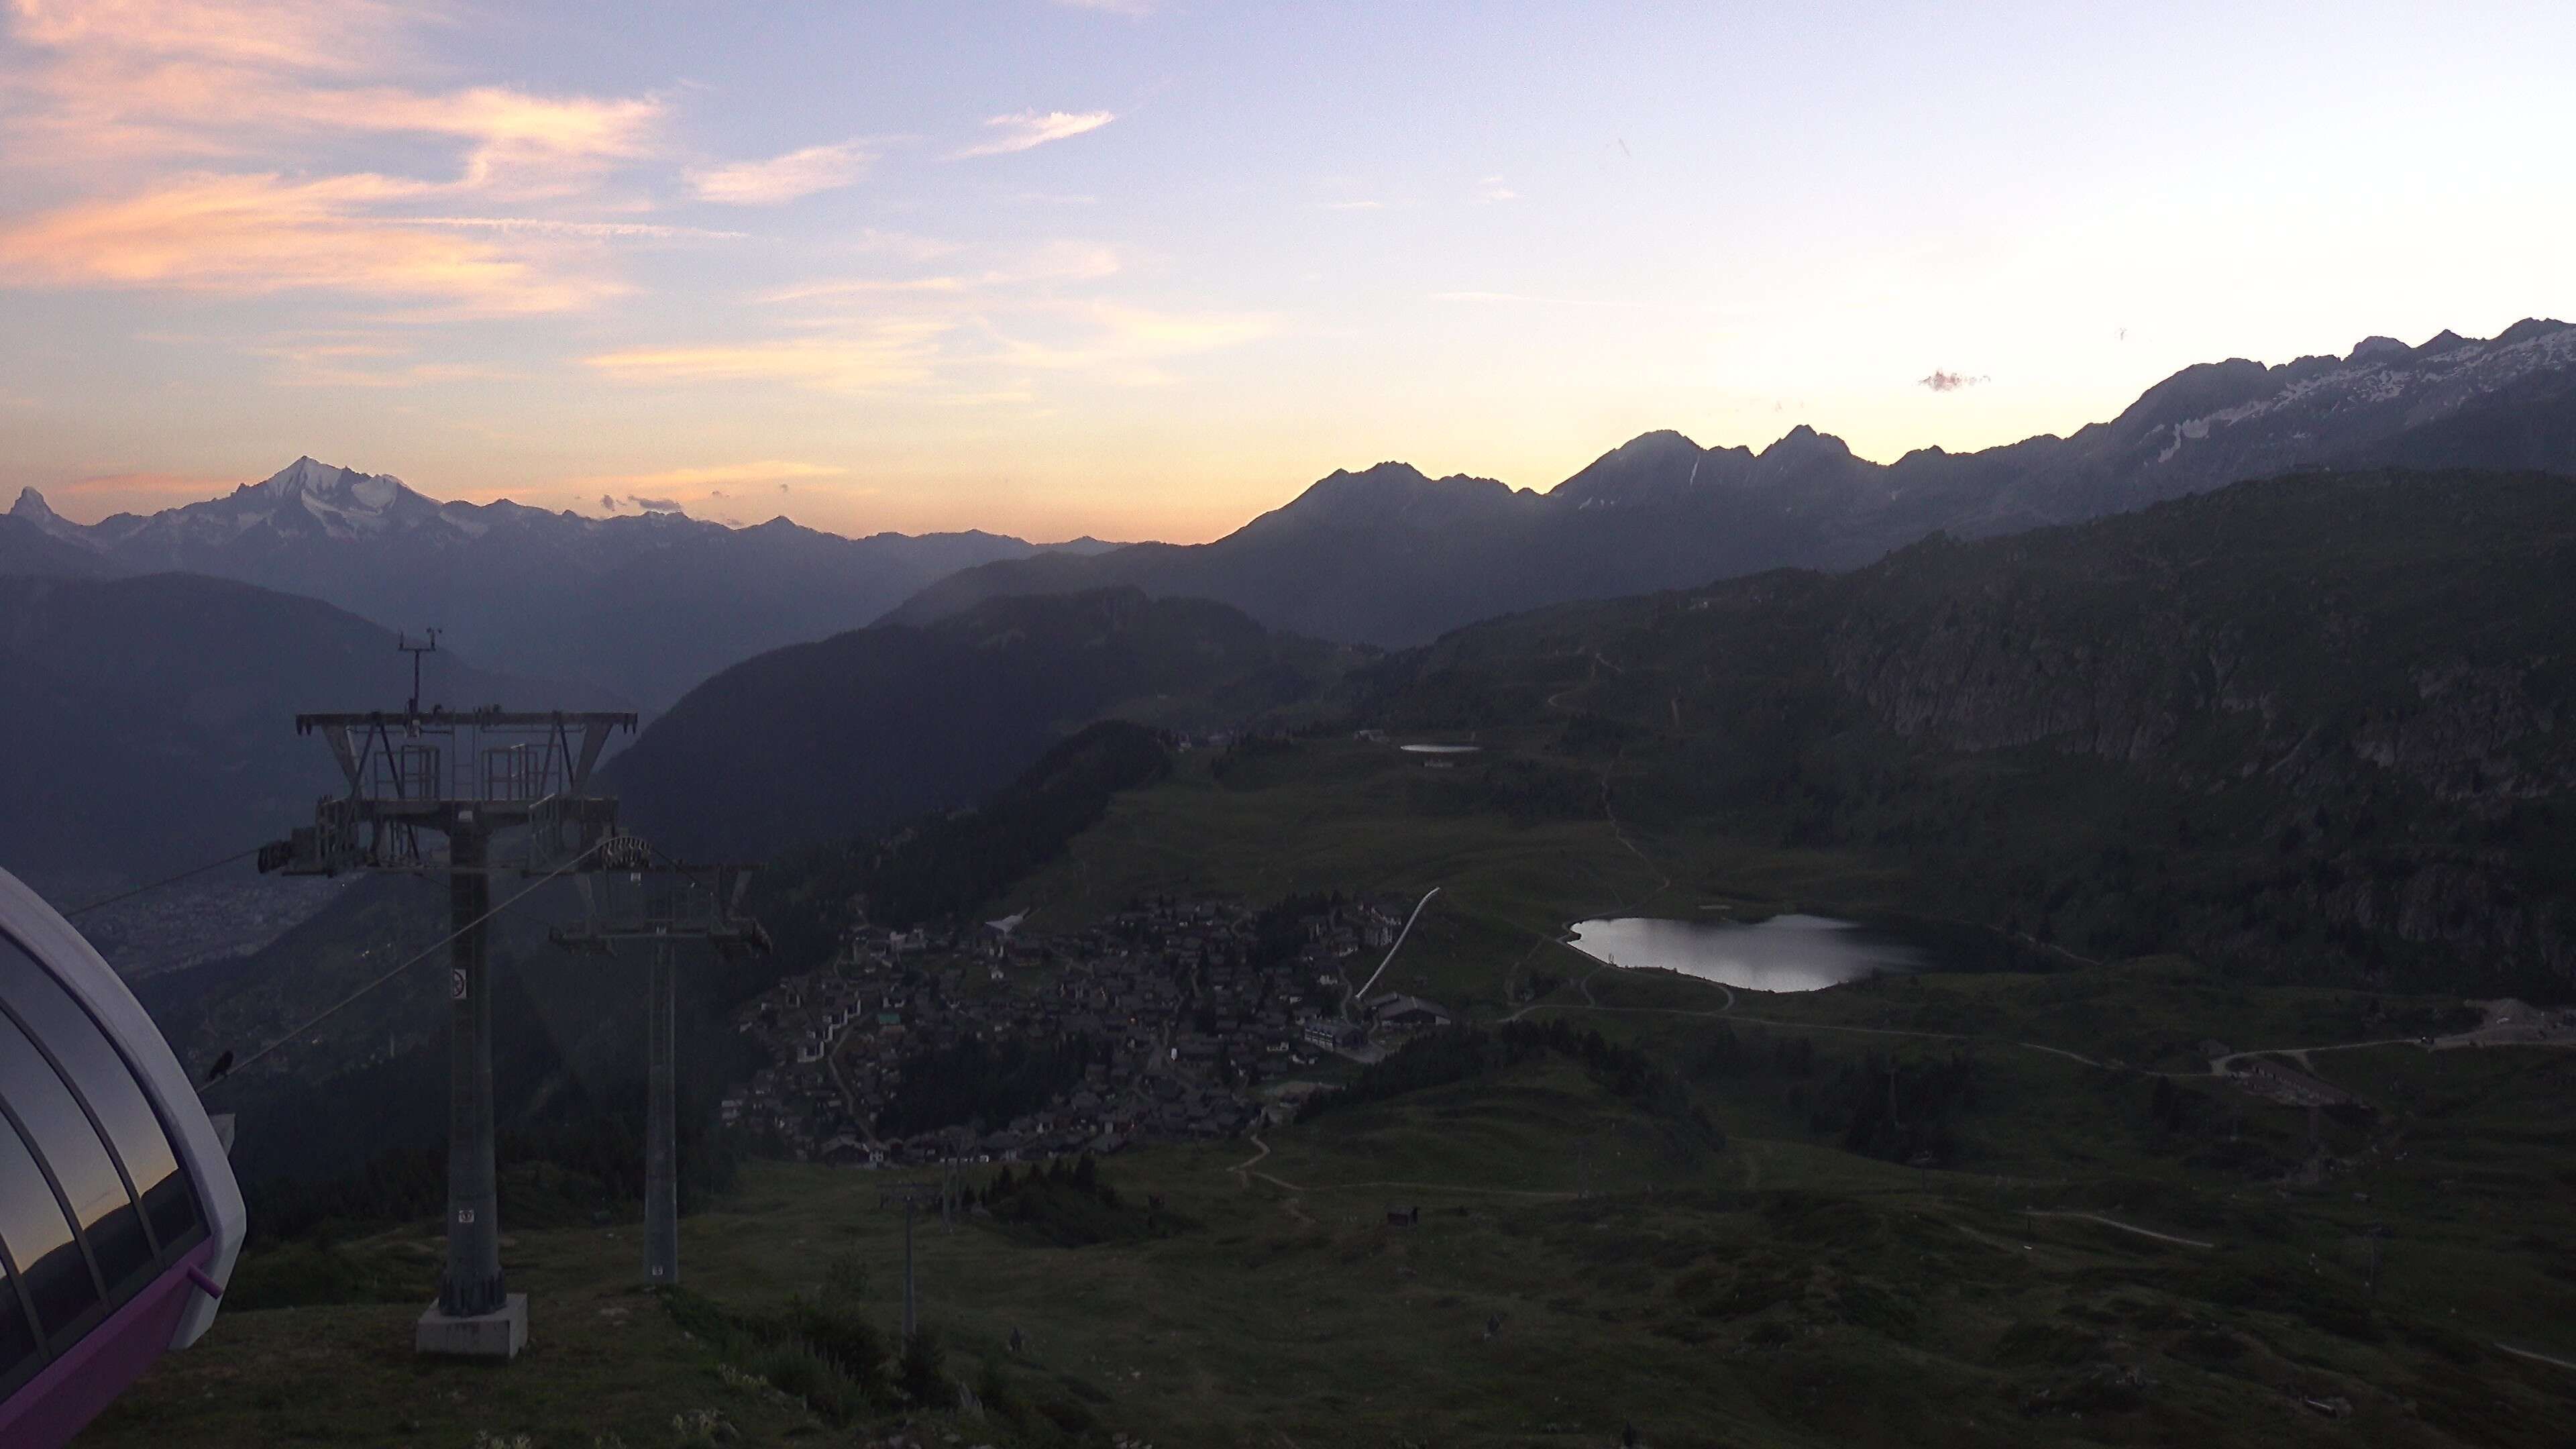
(1145, 268)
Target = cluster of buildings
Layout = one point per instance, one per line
(204, 920)
(1186, 1015)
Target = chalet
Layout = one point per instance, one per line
(1408, 1012)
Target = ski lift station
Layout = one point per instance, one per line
(119, 1215)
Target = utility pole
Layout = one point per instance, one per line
(626, 897)
(912, 1195)
(469, 777)
(661, 1124)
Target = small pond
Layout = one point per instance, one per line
(1784, 953)
(1440, 749)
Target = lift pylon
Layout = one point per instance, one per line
(468, 777)
(627, 898)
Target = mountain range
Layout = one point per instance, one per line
(639, 606)
(1390, 556)
(803, 726)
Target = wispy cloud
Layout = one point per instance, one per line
(888, 355)
(972, 347)
(911, 246)
(670, 479)
(306, 34)
(1025, 130)
(1058, 261)
(1353, 205)
(154, 79)
(544, 226)
(784, 178)
(1941, 381)
(1492, 188)
(147, 110)
(1122, 344)
(262, 234)
(1525, 298)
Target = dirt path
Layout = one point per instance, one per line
(1243, 1170)
(1285, 1185)
(1443, 1187)
(2535, 1357)
(2123, 1227)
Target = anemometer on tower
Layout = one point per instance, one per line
(403, 643)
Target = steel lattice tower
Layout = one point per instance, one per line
(469, 777)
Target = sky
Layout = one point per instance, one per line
(1146, 268)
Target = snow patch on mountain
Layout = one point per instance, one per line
(2434, 380)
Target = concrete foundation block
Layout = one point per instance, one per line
(489, 1335)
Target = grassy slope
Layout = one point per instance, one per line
(1778, 1292)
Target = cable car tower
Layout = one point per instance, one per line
(628, 898)
(466, 777)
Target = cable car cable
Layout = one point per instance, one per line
(424, 954)
(158, 884)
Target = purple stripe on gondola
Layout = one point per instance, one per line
(54, 1405)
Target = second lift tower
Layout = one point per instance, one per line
(466, 777)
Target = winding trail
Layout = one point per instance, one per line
(1243, 1170)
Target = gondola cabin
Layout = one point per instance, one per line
(119, 1216)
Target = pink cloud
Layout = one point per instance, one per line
(262, 234)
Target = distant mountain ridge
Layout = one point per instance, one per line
(642, 606)
(839, 739)
(1390, 556)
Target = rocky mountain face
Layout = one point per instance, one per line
(640, 606)
(835, 740)
(1392, 557)
(2417, 659)
(2318, 723)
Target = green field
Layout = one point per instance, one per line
(1776, 1290)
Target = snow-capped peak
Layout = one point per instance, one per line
(31, 508)
(344, 502)
(345, 489)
